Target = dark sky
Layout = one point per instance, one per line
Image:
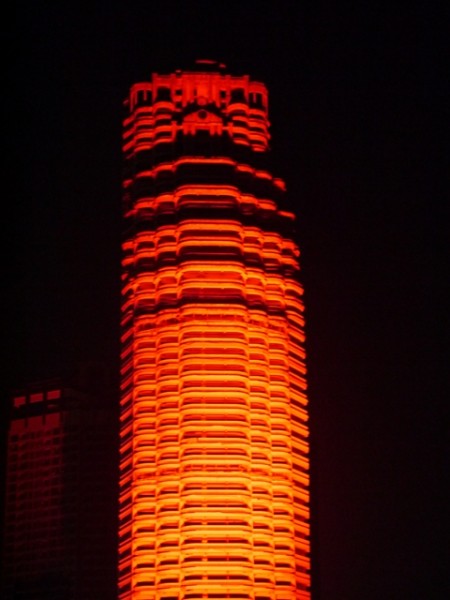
(356, 96)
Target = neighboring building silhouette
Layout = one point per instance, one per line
(214, 498)
(60, 535)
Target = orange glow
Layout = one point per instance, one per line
(214, 427)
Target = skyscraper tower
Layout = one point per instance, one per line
(214, 499)
(61, 478)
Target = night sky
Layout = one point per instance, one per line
(355, 104)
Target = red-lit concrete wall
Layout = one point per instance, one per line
(214, 436)
(34, 528)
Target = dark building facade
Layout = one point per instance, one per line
(214, 467)
(61, 483)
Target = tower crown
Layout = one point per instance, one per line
(204, 99)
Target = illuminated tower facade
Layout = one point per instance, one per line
(214, 473)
